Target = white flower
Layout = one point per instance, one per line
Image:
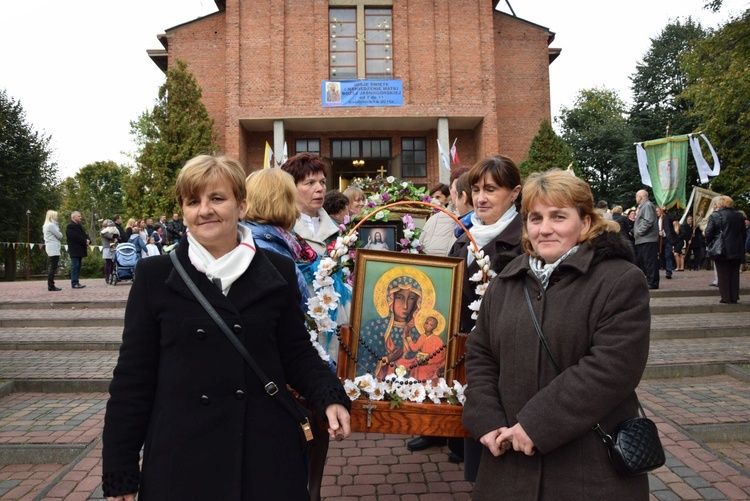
(380, 215)
(458, 390)
(404, 184)
(365, 382)
(416, 243)
(443, 385)
(327, 265)
(326, 324)
(482, 288)
(322, 352)
(316, 308)
(408, 234)
(476, 277)
(474, 316)
(352, 390)
(418, 393)
(433, 396)
(390, 179)
(403, 391)
(474, 305)
(378, 391)
(322, 281)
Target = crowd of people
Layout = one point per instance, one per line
(661, 242)
(251, 245)
(148, 238)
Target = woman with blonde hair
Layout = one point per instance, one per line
(52, 245)
(271, 214)
(728, 225)
(182, 391)
(356, 200)
(535, 420)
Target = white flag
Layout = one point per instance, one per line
(445, 160)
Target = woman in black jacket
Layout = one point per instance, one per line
(729, 225)
(180, 387)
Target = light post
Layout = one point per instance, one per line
(28, 245)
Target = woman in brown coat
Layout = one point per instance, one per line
(592, 304)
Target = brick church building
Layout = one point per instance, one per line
(371, 85)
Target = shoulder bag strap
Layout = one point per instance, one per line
(271, 388)
(597, 428)
(539, 329)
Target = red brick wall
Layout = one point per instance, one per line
(456, 58)
(522, 84)
(202, 45)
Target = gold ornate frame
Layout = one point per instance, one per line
(440, 278)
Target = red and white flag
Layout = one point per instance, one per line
(454, 153)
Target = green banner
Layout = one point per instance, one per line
(667, 166)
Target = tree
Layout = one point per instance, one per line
(27, 179)
(175, 130)
(601, 139)
(719, 86)
(547, 151)
(659, 81)
(97, 192)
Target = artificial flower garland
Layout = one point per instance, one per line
(338, 264)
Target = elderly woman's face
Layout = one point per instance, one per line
(553, 231)
(211, 216)
(491, 200)
(310, 194)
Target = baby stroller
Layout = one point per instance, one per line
(126, 257)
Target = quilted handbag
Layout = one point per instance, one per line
(635, 447)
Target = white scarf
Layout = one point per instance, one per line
(228, 268)
(485, 233)
(544, 271)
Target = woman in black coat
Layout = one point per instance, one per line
(184, 393)
(729, 225)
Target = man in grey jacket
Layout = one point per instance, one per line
(646, 232)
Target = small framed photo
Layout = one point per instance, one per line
(379, 235)
(404, 317)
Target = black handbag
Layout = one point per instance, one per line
(299, 412)
(635, 447)
(716, 247)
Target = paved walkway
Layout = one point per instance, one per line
(57, 352)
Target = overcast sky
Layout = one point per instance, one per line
(81, 72)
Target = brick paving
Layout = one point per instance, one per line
(703, 420)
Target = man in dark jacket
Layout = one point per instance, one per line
(667, 240)
(78, 242)
(117, 219)
(175, 229)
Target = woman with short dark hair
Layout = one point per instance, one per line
(314, 224)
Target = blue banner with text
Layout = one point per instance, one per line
(345, 93)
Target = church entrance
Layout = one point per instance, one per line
(358, 158)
